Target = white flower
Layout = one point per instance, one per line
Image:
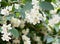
(17, 6)
(58, 3)
(5, 37)
(27, 42)
(16, 41)
(53, 12)
(4, 12)
(54, 20)
(25, 32)
(26, 39)
(34, 16)
(7, 27)
(55, 6)
(9, 8)
(6, 34)
(16, 22)
(34, 2)
(22, 24)
(36, 38)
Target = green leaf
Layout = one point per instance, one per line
(54, 1)
(4, 3)
(56, 41)
(8, 18)
(27, 6)
(0, 18)
(50, 39)
(0, 29)
(25, 1)
(46, 5)
(46, 21)
(57, 28)
(22, 12)
(14, 32)
(17, 14)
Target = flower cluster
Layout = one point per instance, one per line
(6, 10)
(55, 19)
(15, 22)
(25, 38)
(5, 32)
(30, 21)
(33, 16)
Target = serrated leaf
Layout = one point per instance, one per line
(14, 32)
(46, 5)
